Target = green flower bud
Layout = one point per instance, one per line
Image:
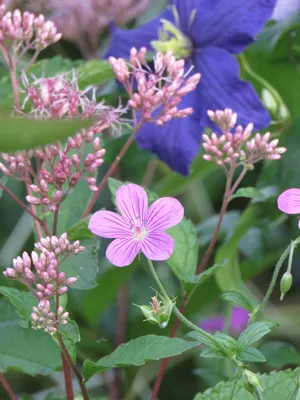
(251, 382)
(159, 312)
(285, 284)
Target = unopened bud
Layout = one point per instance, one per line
(285, 284)
(251, 382)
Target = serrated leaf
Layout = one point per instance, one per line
(18, 346)
(24, 133)
(80, 230)
(23, 301)
(184, 258)
(250, 354)
(280, 354)
(3, 181)
(248, 192)
(212, 353)
(84, 265)
(281, 385)
(137, 352)
(254, 332)
(238, 299)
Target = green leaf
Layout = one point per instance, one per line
(191, 282)
(53, 66)
(23, 302)
(19, 347)
(70, 334)
(229, 342)
(3, 181)
(248, 192)
(137, 352)
(203, 339)
(250, 354)
(238, 299)
(94, 72)
(280, 354)
(80, 230)
(183, 260)
(24, 133)
(282, 385)
(84, 265)
(212, 353)
(254, 332)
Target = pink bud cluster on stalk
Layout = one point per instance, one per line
(20, 32)
(239, 147)
(159, 92)
(58, 168)
(40, 273)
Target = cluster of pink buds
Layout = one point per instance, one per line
(239, 147)
(159, 92)
(16, 164)
(20, 33)
(40, 273)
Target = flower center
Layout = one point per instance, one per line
(171, 38)
(138, 229)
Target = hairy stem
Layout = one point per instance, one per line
(7, 387)
(112, 169)
(274, 277)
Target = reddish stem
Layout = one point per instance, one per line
(6, 386)
(68, 378)
(112, 169)
(164, 362)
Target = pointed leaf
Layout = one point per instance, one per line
(248, 192)
(254, 332)
(238, 299)
(250, 354)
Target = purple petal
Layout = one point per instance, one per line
(289, 201)
(238, 321)
(121, 252)
(163, 214)
(220, 87)
(212, 324)
(228, 24)
(122, 40)
(109, 225)
(177, 142)
(132, 201)
(157, 246)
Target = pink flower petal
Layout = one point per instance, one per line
(289, 201)
(158, 246)
(109, 224)
(121, 252)
(299, 223)
(164, 213)
(132, 201)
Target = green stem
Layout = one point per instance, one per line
(291, 257)
(275, 276)
(233, 389)
(182, 318)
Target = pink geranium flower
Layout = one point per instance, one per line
(137, 229)
(289, 202)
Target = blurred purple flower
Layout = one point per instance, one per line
(238, 322)
(137, 229)
(205, 33)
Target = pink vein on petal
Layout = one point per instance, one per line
(121, 252)
(289, 201)
(164, 213)
(109, 224)
(132, 201)
(158, 246)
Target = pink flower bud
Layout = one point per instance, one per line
(62, 290)
(10, 273)
(71, 281)
(33, 200)
(61, 277)
(76, 160)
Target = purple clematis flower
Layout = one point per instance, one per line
(238, 322)
(289, 202)
(205, 33)
(137, 229)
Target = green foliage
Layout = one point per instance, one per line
(23, 133)
(248, 192)
(80, 230)
(279, 354)
(84, 265)
(191, 282)
(138, 352)
(19, 346)
(276, 386)
(94, 72)
(23, 302)
(254, 332)
(3, 181)
(251, 354)
(239, 299)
